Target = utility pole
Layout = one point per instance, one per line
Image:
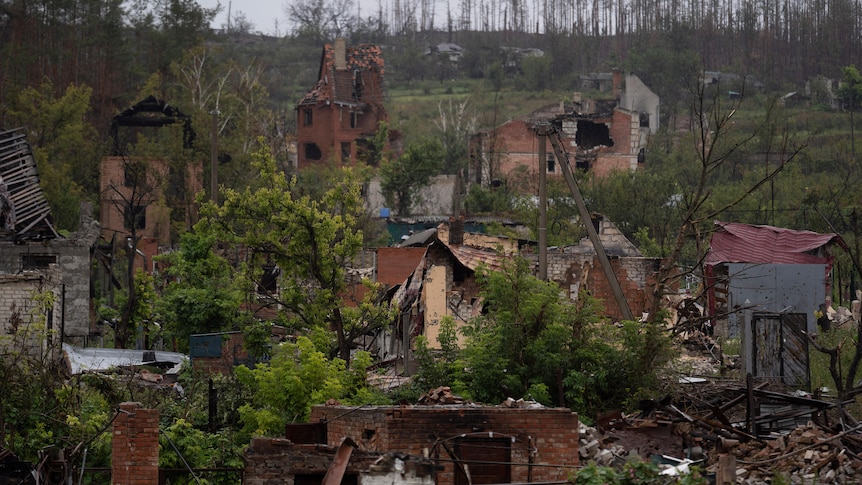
(214, 158)
(563, 162)
(542, 130)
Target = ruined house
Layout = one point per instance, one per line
(763, 285)
(439, 280)
(599, 135)
(338, 119)
(493, 444)
(34, 258)
(150, 194)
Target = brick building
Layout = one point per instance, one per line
(340, 116)
(150, 194)
(498, 444)
(33, 256)
(599, 136)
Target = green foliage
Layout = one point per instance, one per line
(298, 377)
(312, 241)
(199, 292)
(633, 473)
(534, 343)
(198, 448)
(401, 179)
(64, 145)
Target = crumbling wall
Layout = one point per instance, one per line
(269, 461)
(543, 441)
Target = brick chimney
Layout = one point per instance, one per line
(340, 54)
(135, 446)
(456, 230)
(617, 85)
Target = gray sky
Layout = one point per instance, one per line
(262, 13)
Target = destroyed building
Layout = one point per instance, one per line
(35, 258)
(339, 117)
(493, 444)
(764, 285)
(599, 135)
(438, 279)
(149, 194)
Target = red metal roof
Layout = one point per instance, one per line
(733, 242)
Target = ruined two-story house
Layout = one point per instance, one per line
(144, 194)
(599, 135)
(338, 119)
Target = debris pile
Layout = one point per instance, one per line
(807, 454)
(738, 434)
(440, 395)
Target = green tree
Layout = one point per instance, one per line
(64, 145)
(312, 241)
(401, 179)
(199, 292)
(535, 343)
(851, 92)
(298, 377)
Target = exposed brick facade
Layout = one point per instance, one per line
(543, 443)
(135, 446)
(337, 119)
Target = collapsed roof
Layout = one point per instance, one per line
(24, 211)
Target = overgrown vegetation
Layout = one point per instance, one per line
(536, 344)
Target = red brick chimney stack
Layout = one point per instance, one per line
(135, 446)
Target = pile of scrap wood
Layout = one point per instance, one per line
(741, 434)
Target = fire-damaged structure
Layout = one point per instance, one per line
(147, 193)
(33, 256)
(764, 285)
(601, 135)
(438, 280)
(339, 117)
(470, 443)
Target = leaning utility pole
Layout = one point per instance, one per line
(549, 132)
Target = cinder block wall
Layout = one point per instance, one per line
(552, 433)
(135, 446)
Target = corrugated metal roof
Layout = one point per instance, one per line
(744, 243)
(473, 257)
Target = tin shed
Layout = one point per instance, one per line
(764, 284)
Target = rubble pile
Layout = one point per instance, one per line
(808, 454)
(592, 447)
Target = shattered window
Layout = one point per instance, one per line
(37, 261)
(345, 151)
(307, 117)
(312, 151)
(552, 164)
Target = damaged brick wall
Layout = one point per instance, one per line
(551, 434)
(135, 446)
(269, 461)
